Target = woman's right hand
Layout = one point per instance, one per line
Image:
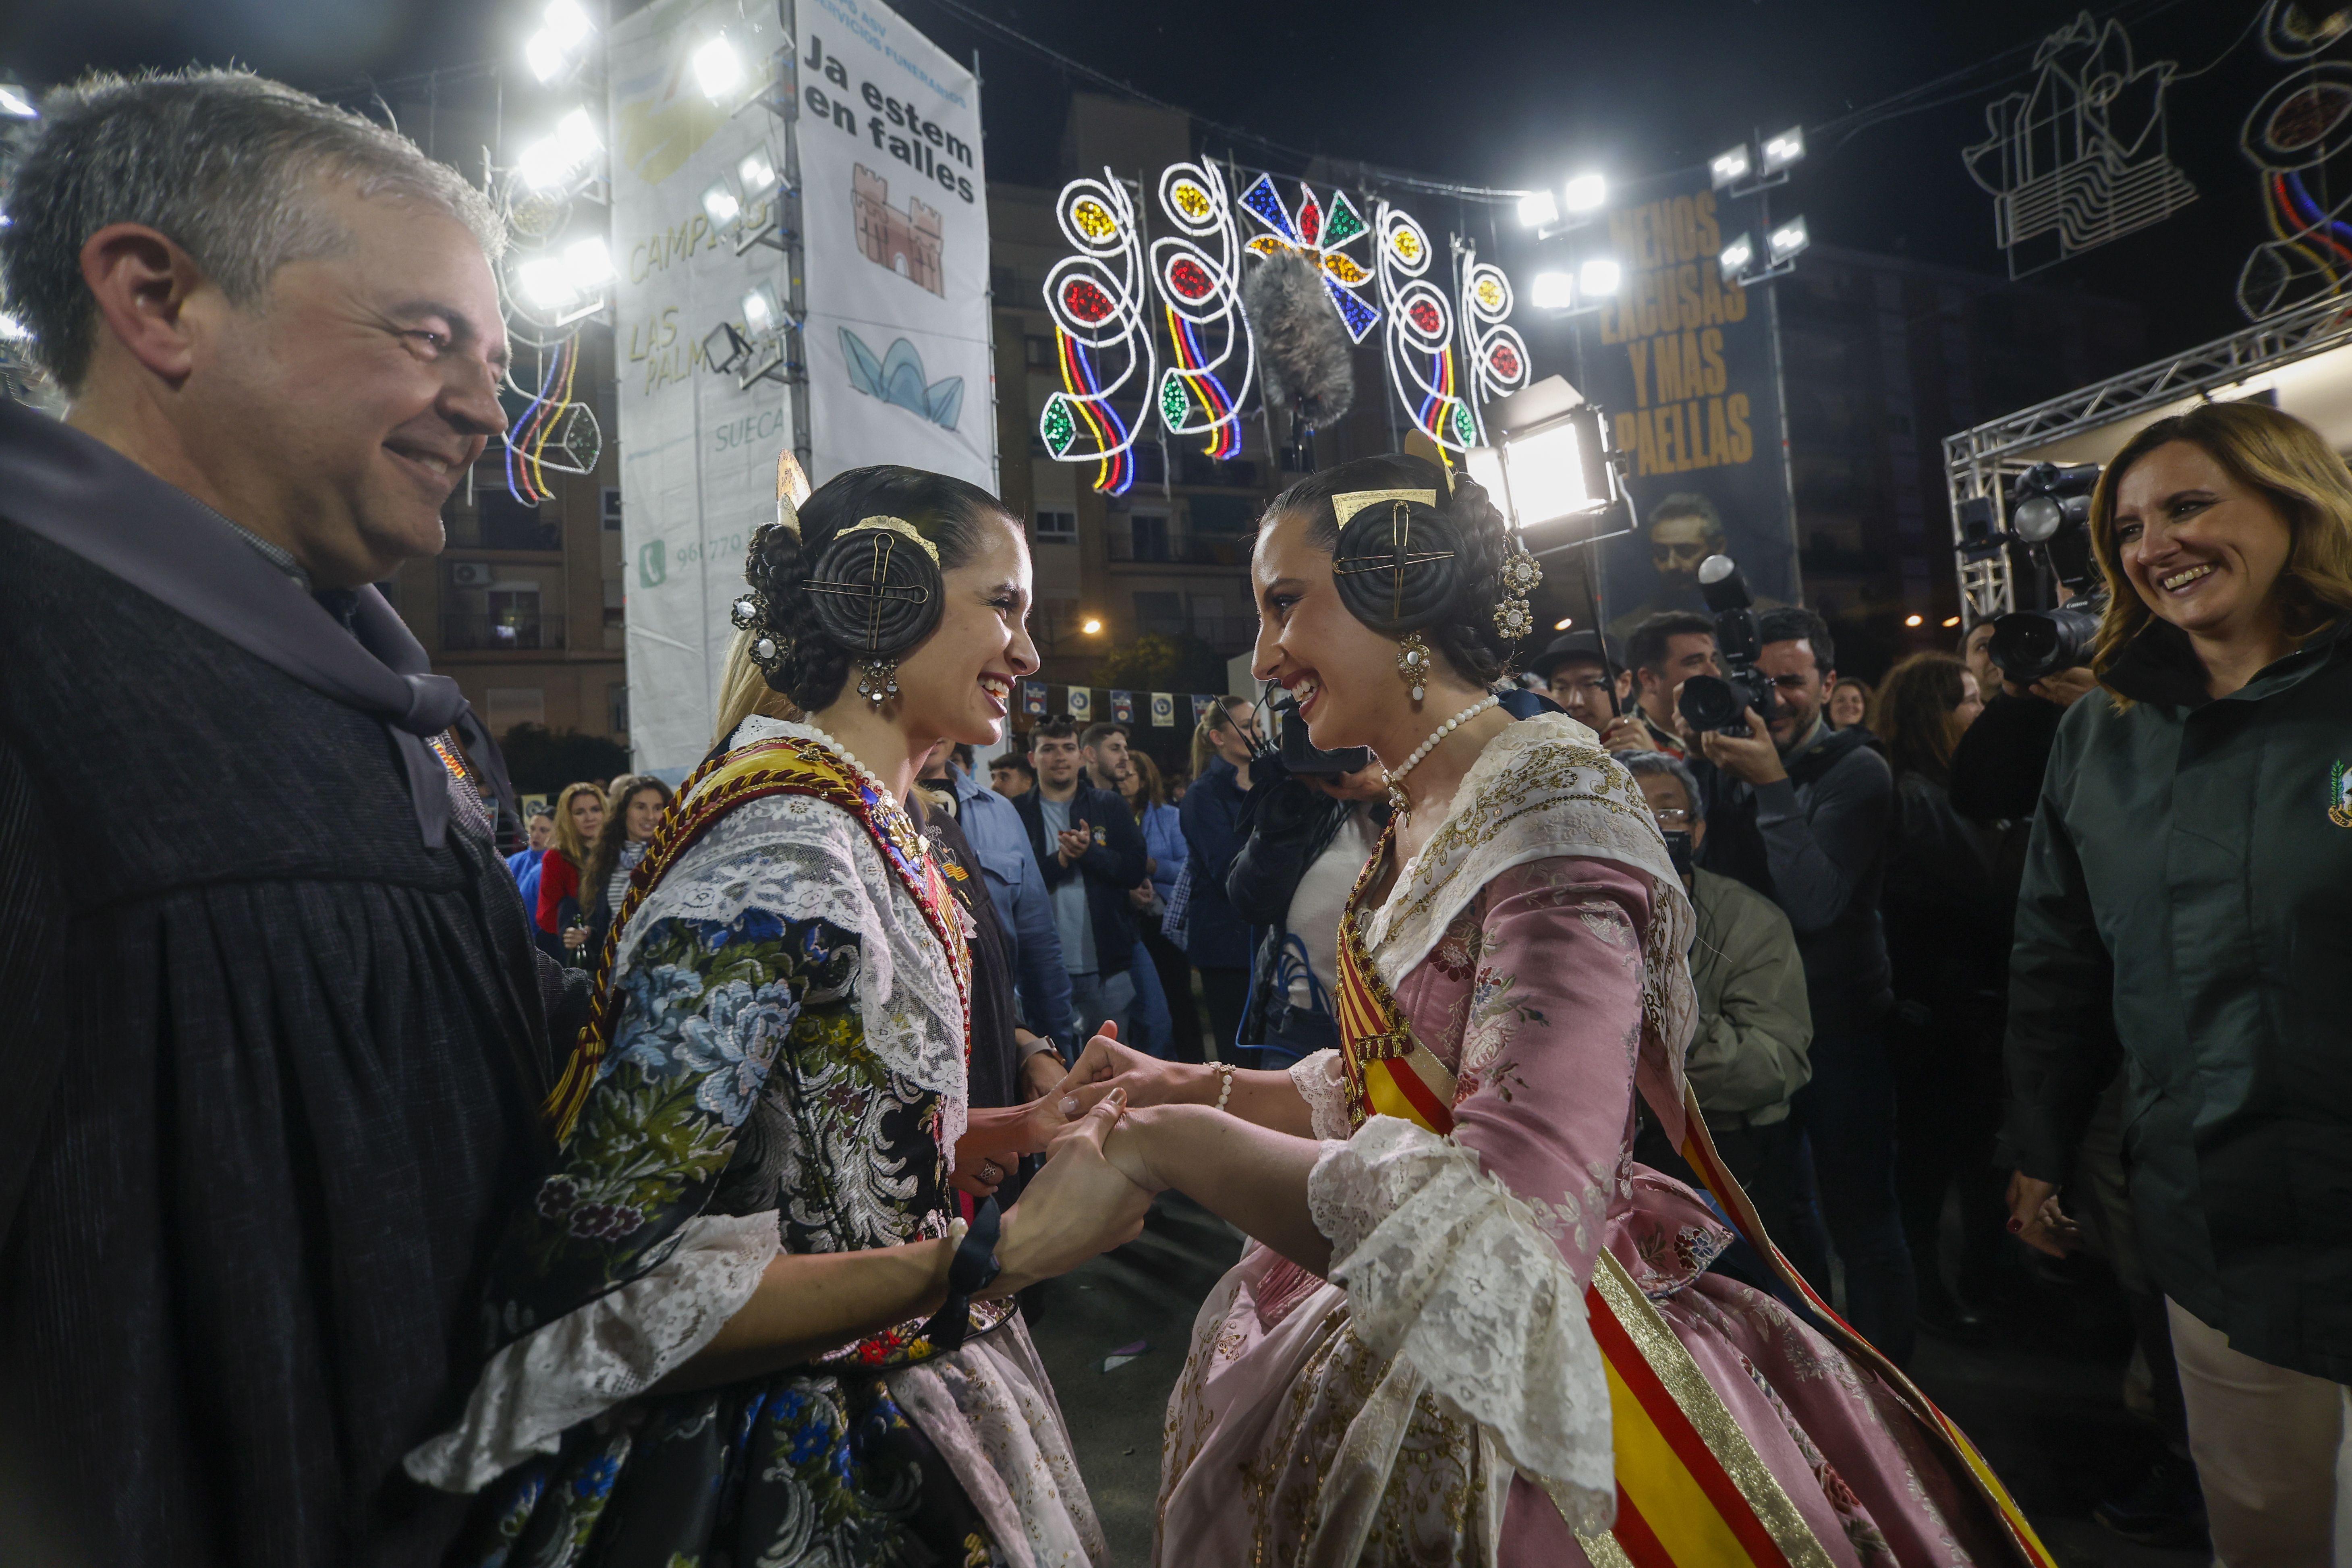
(1106, 1065)
(1078, 1206)
(2035, 1218)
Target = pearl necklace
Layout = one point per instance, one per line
(1398, 799)
(849, 760)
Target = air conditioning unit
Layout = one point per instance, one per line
(470, 574)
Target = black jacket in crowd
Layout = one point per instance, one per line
(1286, 827)
(1113, 867)
(1815, 844)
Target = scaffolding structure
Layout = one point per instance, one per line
(1978, 462)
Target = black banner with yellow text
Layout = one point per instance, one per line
(1682, 364)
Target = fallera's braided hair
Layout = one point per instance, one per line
(951, 513)
(1465, 636)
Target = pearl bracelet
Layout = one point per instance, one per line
(1225, 1092)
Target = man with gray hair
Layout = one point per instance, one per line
(1755, 1025)
(278, 1032)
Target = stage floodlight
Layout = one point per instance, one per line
(1553, 291)
(1786, 241)
(546, 163)
(16, 102)
(1729, 168)
(1735, 258)
(757, 171)
(546, 283)
(1783, 150)
(577, 132)
(1598, 278)
(12, 330)
(543, 55)
(717, 69)
(719, 203)
(567, 23)
(762, 313)
(588, 263)
(1585, 193)
(1485, 466)
(1537, 208)
(1547, 473)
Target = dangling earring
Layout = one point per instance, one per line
(879, 682)
(1412, 663)
(1520, 577)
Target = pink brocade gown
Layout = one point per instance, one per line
(1291, 1440)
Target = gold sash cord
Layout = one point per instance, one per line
(1692, 1491)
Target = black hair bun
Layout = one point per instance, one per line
(1398, 567)
(875, 590)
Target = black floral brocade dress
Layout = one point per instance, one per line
(785, 1073)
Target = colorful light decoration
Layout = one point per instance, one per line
(1419, 345)
(1197, 273)
(1095, 299)
(1321, 233)
(1497, 354)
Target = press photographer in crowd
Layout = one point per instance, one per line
(2187, 908)
(1802, 813)
(1754, 1029)
(1589, 678)
(1664, 652)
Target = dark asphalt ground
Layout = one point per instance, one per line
(2041, 1398)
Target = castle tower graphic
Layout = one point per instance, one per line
(908, 243)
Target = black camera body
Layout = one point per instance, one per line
(2052, 520)
(1300, 757)
(1710, 702)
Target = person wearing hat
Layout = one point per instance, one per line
(1585, 673)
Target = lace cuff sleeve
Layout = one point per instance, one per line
(611, 1350)
(1445, 1266)
(1321, 1084)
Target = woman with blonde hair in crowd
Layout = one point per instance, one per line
(578, 818)
(2186, 912)
(637, 802)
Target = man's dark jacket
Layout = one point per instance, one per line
(2188, 909)
(1216, 935)
(1815, 844)
(1112, 867)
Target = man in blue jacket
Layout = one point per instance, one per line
(993, 829)
(1090, 852)
(1216, 938)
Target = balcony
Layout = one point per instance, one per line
(473, 631)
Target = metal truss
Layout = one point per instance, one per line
(1977, 461)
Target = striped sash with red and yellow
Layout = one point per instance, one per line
(1691, 1488)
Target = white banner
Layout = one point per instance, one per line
(697, 454)
(895, 202)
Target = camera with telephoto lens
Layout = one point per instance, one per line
(2052, 519)
(1710, 702)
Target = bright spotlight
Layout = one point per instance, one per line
(1915, 620)
(1091, 626)
(1598, 278)
(1586, 192)
(16, 103)
(546, 163)
(1537, 208)
(1728, 168)
(757, 171)
(577, 131)
(1562, 624)
(762, 313)
(1485, 466)
(718, 68)
(12, 330)
(546, 283)
(1735, 258)
(1553, 291)
(720, 205)
(588, 264)
(1952, 621)
(543, 55)
(1783, 150)
(567, 23)
(1786, 241)
(1548, 475)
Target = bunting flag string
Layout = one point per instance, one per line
(1079, 703)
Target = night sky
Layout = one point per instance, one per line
(1526, 93)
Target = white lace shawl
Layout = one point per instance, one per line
(1447, 1270)
(1543, 789)
(804, 858)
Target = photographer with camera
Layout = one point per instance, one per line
(1310, 825)
(1802, 813)
(2185, 912)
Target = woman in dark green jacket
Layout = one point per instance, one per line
(2187, 911)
